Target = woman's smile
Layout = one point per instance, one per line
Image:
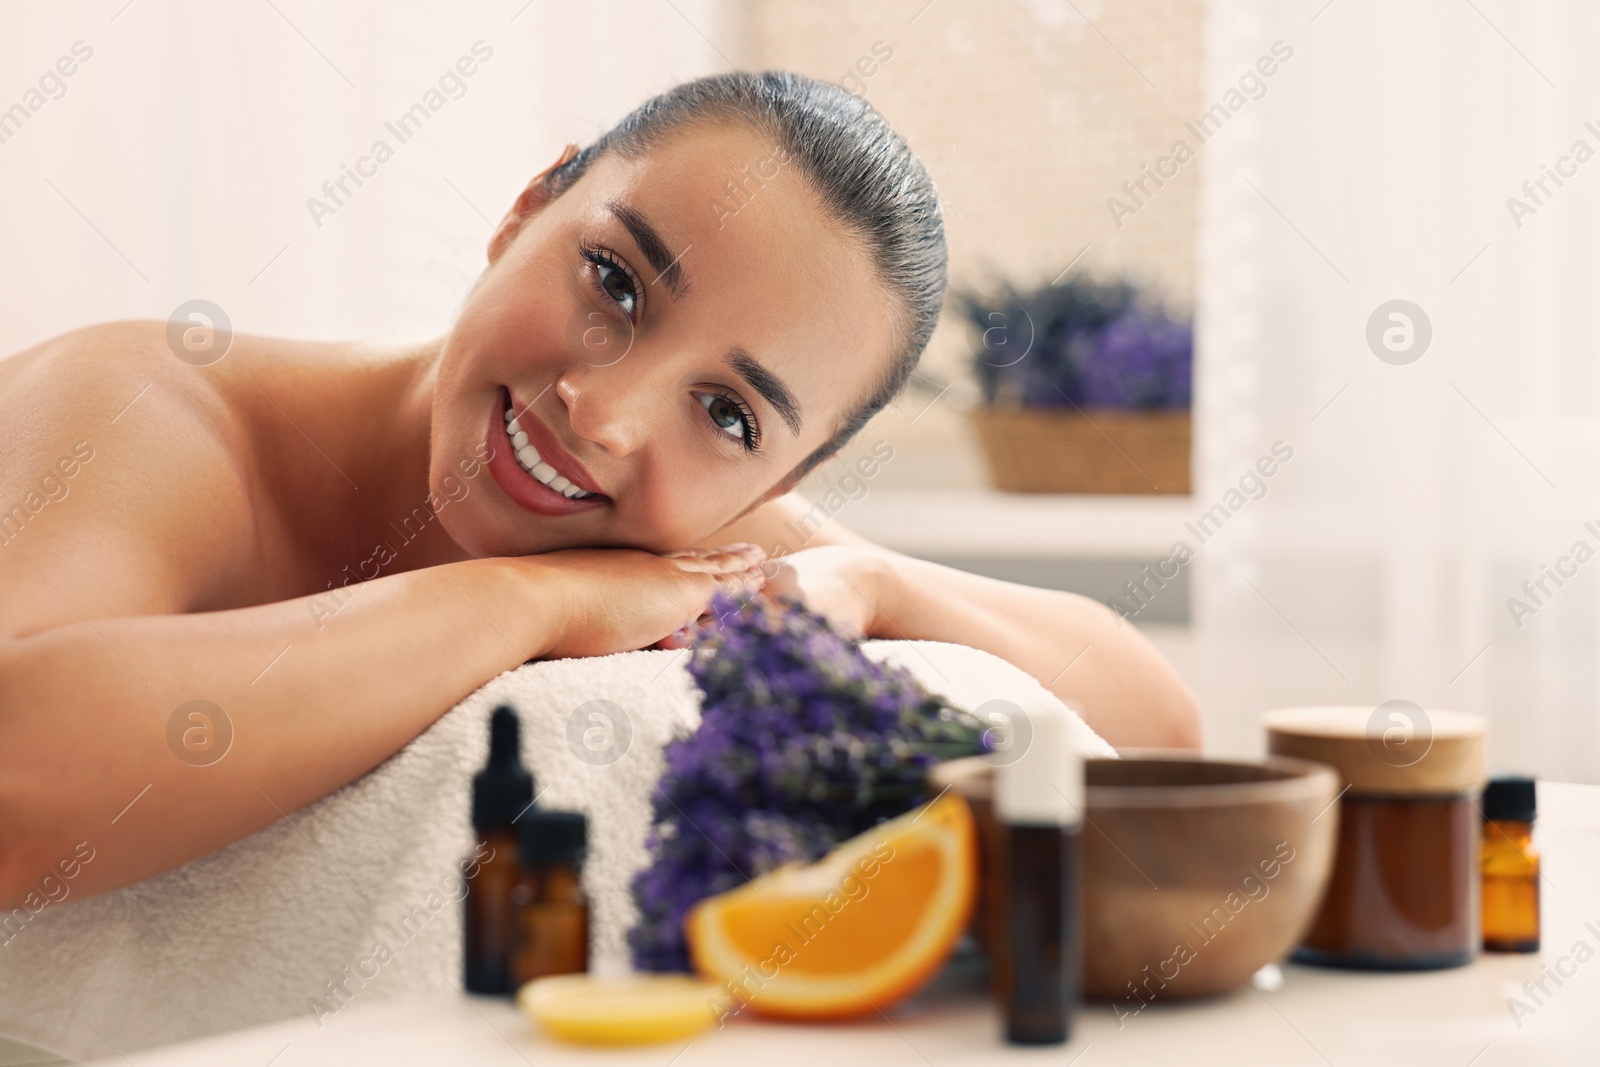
(531, 467)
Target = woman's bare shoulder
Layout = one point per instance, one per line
(121, 492)
(98, 357)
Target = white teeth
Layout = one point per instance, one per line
(528, 458)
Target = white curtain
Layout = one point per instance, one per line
(1423, 491)
(176, 161)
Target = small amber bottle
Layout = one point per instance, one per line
(552, 910)
(1510, 866)
(500, 793)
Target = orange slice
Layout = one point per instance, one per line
(862, 929)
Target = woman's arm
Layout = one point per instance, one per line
(1077, 647)
(87, 751)
(88, 746)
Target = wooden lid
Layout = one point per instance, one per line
(1396, 747)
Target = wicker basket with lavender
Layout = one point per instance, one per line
(1086, 387)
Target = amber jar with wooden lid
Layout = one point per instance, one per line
(1404, 890)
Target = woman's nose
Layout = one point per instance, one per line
(604, 406)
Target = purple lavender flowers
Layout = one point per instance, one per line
(1089, 343)
(803, 743)
(1142, 360)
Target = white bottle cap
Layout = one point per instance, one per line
(1044, 784)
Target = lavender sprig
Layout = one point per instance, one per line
(803, 743)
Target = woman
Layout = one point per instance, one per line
(334, 543)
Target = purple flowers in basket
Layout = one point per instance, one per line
(1087, 343)
(803, 743)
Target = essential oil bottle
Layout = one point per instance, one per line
(501, 792)
(1510, 866)
(552, 911)
(1039, 805)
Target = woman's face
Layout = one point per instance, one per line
(672, 335)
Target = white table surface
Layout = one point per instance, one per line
(1453, 1018)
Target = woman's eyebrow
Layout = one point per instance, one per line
(654, 248)
(769, 385)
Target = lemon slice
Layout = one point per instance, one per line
(639, 1009)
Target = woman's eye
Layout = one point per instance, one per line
(727, 417)
(618, 286)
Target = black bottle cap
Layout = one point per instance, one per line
(1511, 797)
(504, 788)
(554, 837)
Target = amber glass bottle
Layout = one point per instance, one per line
(1510, 866)
(552, 912)
(500, 792)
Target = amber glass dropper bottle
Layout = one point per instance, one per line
(1510, 866)
(500, 793)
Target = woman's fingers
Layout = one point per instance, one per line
(749, 580)
(739, 548)
(721, 560)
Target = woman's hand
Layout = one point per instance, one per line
(845, 584)
(618, 600)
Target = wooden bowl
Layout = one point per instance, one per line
(1196, 871)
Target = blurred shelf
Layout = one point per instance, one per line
(970, 522)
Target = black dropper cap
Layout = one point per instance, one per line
(554, 837)
(1511, 797)
(504, 788)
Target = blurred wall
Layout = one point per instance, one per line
(178, 159)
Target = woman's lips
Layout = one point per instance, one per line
(524, 489)
(549, 448)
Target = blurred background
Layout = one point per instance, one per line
(1372, 225)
